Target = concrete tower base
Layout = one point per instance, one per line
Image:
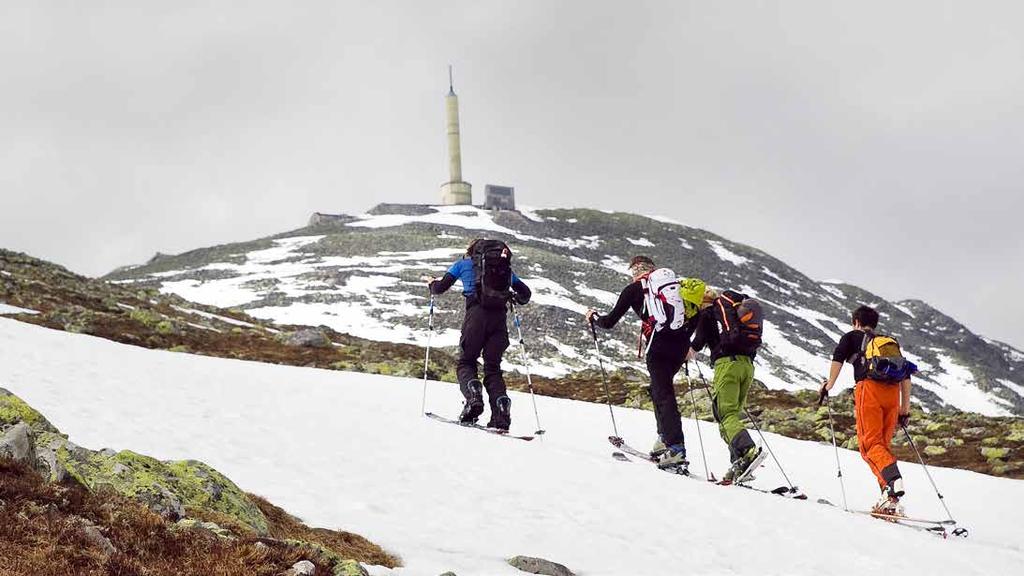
(456, 193)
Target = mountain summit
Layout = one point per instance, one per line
(361, 275)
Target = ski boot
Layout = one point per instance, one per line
(659, 448)
(503, 418)
(742, 469)
(474, 405)
(889, 503)
(674, 459)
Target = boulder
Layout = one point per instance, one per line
(934, 450)
(993, 453)
(302, 568)
(539, 566)
(309, 338)
(17, 443)
(95, 537)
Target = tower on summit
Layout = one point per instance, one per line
(455, 191)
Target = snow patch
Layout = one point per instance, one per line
(603, 296)
(467, 217)
(551, 293)
(833, 291)
(801, 369)
(904, 309)
(956, 386)
(1017, 388)
(6, 309)
(685, 244)
(640, 241)
(529, 213)
(725, 254)
(790, 283)
(616, 264)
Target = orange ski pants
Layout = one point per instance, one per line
(877, 407)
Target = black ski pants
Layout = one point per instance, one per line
(484, 331)
(664, 360)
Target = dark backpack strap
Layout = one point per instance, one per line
(863, 354)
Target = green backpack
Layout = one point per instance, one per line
(692, 292)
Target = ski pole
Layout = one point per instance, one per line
(426, 360)
(921, 460)
(769, 447)
(758, 429)
(604, 378)
(526, 365)
(696, 422)
(839, 469)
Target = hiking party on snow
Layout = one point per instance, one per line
(680, 317)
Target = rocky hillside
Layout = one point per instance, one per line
(42, 293)
(360, 276)
(65, 509)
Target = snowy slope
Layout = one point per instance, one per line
(351, 450)
(361, 275)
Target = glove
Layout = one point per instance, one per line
(823, 393)
(520, 300)
(903, 420)
(647, 328)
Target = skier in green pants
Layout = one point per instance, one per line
(730, 326)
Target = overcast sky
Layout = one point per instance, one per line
(874, 142)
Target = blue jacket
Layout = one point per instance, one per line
(462, 271)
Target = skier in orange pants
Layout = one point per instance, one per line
(880, 405)
(877, 406)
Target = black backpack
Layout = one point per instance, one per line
(742, 323)
(492, 273)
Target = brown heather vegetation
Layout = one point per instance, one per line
(50, 529)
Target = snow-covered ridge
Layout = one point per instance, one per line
(363, 277)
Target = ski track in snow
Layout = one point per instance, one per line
(350, 451)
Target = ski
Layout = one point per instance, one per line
(626, 449)
(937, 527)
(494, 431)
(906, 518)
(784, 491)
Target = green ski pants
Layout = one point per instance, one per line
(733, 377)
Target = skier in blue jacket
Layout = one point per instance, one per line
(484, 332)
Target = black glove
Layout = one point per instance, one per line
(822, 394)
(903, 420)
(520, 300)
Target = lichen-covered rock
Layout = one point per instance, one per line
(212, 527)
(17, 443)
(539, 566)
(309, 338)
(14, 410)
(934, 450)
(167, 488)
(350, 568)
(993, 453)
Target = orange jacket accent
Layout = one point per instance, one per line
(877, 407)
